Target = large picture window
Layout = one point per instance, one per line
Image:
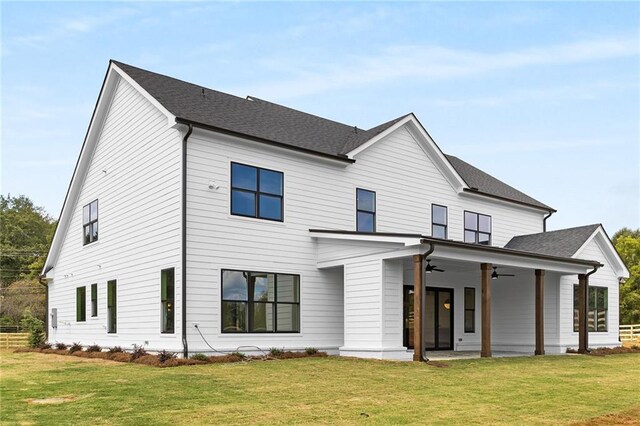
(598, 305)
(257, 192)
(81, 304)
(167, 296)
(477, 228)
(438, 221)
(90, 222)
(112, 312)
(365, 210)
(260, 302)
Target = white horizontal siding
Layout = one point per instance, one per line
(135, 175)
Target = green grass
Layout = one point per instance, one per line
(541, 390)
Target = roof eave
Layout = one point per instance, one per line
(510, 200)
(216, 129)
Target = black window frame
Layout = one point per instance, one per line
(595, 309)
(250, 303)
(112, 307)
(477, 231)
(89, 238)
(81, 304)
(167, 304)
(371, 212)
(444, 225)
(471, 309)
(94, 300)
(256, 194)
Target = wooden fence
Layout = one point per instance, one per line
(630, 333)
(13, 340)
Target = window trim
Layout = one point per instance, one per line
(162, 331)
(472, 309)
(446, 219)
(374, 212)
(94, 300)
(249, 302)
(576, 322)
(90, 223)
(81, 304)
(477, 231)
(255, 193)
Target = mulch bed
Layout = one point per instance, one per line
(155, 361)
(609, 351)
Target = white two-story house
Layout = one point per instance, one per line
(198, 221)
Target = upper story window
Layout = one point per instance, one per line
(365, 210)
(477, 228)
(257, 192)
(438, 221)
(90, 222)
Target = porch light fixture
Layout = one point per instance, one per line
(447, 304)
(494, 275)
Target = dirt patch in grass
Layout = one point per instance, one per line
(627, 417)
(54, 400)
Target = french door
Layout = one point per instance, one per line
(438, 318)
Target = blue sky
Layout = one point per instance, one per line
(545, 96)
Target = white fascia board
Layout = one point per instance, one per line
(171, 119)
(512, 204)
(608, 250)
(404, 240)
(426, 142)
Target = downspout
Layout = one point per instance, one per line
(586, 311)
(423, 306)
(183, 309)
(544, 221)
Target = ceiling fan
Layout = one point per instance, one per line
(495, 274)
(430, 268)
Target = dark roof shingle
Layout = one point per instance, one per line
(254, 117)
(562, 243)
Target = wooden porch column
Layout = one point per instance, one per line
(417, 307)
(539, 312)
(583, 300)
(485, 351)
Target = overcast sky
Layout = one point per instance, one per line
(545, 96)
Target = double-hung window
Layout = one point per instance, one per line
(438, 221)
(90, 222)
(94, 300)
(365, 210)
(598, 307)
(477, 228)
(260, 302)
(167, 296)
(112, 312)
(257, 192)
(469, 310)
(81, 304)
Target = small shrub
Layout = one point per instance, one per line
(200, 357)
(44, 345)
(227, 358)
(138, 351)
(635, 347)
(35, 327)
(115, 350)
(94, 348)
(310, 351)
(61, 346)
(165, 356)
(120, 357)
(275, 352)
(147, 360)
(238, 355)
(75, 347)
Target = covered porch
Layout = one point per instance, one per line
(414, 297)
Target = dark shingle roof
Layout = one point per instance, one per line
(486, 183)
(271, 122)
(562, 243)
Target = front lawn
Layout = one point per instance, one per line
(53, 389)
